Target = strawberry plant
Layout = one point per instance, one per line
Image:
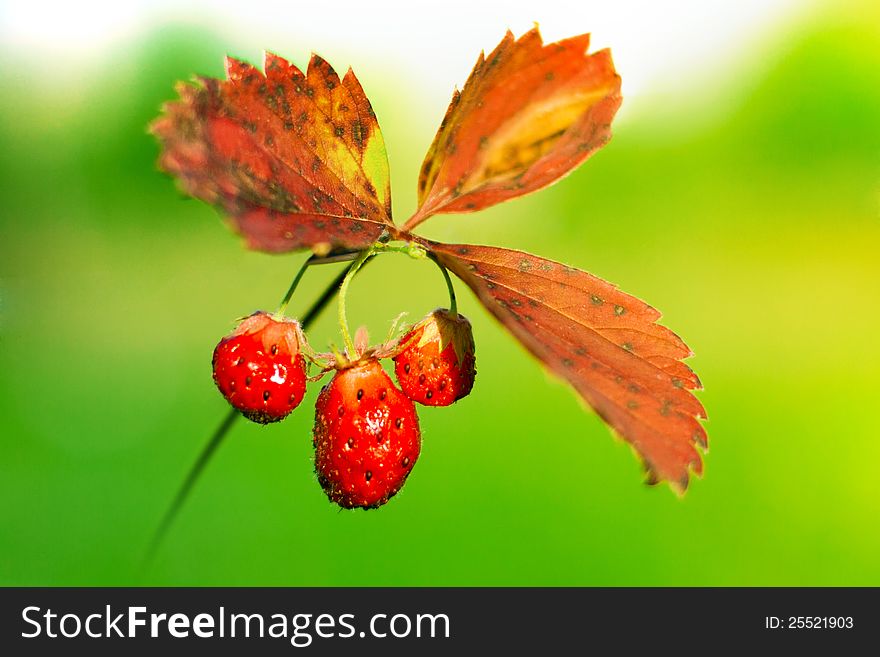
(296, 161)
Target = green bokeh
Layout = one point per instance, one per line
(747, 210)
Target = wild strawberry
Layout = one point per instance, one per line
(260, 369)
(436, 366)
(366, 437)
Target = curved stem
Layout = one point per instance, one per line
(287, 297)
(222, 431)
(343, 293)
(453, 305)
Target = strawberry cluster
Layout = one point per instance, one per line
(366, 434)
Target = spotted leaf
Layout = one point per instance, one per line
(528, 114)
(295, 160)
(604, 342)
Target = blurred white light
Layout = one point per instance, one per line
(655, 44)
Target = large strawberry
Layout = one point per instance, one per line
(436, 365)
(260, 369)
(366, 436)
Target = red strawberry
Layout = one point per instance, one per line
(366, 436)
(436, 366)
(259, 368)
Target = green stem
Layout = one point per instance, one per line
(453, 306)
(222, 431)
(343, 292)
(282, 307)
(312, 261)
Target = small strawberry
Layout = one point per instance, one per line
(436, 364)
(366, 436)
(260, 369)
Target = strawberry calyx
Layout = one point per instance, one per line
(272, 330)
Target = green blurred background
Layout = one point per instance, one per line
(746, 209)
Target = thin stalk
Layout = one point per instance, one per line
(223, 430)
(453, 305)
(343, 293)
(191, 478)
(282, 307)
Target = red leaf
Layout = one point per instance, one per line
(602, 341)
(295, 160)
(529, 113)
